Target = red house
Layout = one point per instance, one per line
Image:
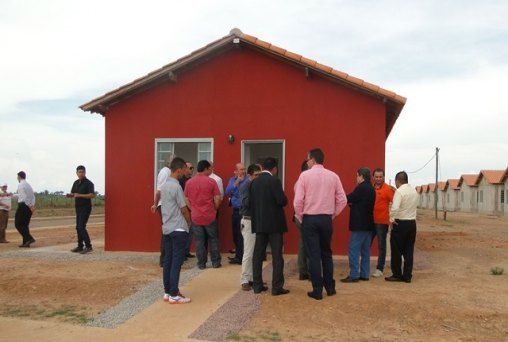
(237, 99)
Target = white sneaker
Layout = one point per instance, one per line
(178, 300)
(166, 297)
(377, 274)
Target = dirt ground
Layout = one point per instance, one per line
(453, 295)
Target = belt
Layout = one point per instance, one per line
(246, 217)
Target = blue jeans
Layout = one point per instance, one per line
(201, 234)
(82, 215)
(381, 232)
(317, 236)
(359, 247)
(174, 247)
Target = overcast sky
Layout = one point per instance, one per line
(449, 58)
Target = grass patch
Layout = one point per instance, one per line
(70, 314)
(272, 336)
(496, 270)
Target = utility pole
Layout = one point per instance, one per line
(437, 187)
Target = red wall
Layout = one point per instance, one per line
(251, 96)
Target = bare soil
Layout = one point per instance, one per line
(453, 295)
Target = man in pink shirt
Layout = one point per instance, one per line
(319, 197)
(203, 199)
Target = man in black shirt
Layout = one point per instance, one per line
(83, 192)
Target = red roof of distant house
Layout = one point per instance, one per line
(453, 183)
(432, 187)
(469, 180)
(393, 102)
(425, 188)
(441, 186)
(418, 189)
(492, 176)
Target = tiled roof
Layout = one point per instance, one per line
(492, 176)
(469, 180)
(418, 189)
(441, 186)
(432, 187)
(453, 184)
(425, 188)
(393, 102)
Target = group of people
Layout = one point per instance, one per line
(258, 218)
(82, 191)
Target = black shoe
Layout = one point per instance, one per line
(235, 261)
(314, 295)
(31, 241)
(188, 255)
(303, 277)
(201, 267)
(86, 250)
(217, 266)
(331, 292)
(349, 280)
(77, 249)
(364, 279)
(280, 292)
(263, 289)
(24, 245)
(406, 280)
(393, 278)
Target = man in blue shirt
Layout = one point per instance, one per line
(234, 185)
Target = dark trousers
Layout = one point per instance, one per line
(317, 236)
(402, 243)
(207, 236)
(22, 221)
(276, 244)
(174, 245)
(82, 215)
(237, 233)
(381, 230)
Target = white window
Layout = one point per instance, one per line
(255, 151)
(189, 149)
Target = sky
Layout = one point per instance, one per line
(448, 57)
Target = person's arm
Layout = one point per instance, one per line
(156, 201)
(280, 196)
(186, 215)
(299, 199)
(395, 206)
(231, 187)
(340, 199)
(216, 201)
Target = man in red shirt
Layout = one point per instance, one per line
(203, 198)
(384, 196)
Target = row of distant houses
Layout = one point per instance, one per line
(485, 192)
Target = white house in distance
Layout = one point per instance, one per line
(504, 197)
(452, 195)
(491, 186)
(420, 197)
(468, 200)
(431, 192)
(441, 200)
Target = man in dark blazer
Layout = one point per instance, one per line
(267, 202)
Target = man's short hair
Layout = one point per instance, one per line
(203, 165)
(177, 163)
(269, 163)
(253, 168)
(304, 166)
(401, 177)
(80, 167)
(365, 173)
(317, 155)
(22, 174)
(378, 170)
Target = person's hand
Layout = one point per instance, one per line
(32, 208)
(153, 208)
(69, 195)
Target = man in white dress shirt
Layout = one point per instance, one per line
(26, 206)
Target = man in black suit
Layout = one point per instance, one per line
(267, 202)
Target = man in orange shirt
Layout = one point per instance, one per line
(384, 196)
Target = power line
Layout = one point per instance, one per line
(427, 163)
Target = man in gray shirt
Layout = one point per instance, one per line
(175, 229)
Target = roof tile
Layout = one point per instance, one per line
(492, 176)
